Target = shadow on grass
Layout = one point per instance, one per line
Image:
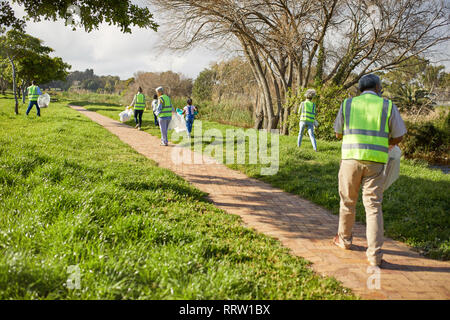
(100, 104)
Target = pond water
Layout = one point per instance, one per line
(443, 168)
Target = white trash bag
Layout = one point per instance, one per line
(392, 169)
(126, 115)
(43, 101)
(177, 123)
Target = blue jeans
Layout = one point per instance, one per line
(30, 106)
(189, 124)
(310, 126)
(156, 119)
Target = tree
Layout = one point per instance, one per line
(28, 60)
(204, 85)
(413, 86)
(4, 82)
(123, 13)
(291, 43)
(41, 68)
(7, 17)
(15, 45)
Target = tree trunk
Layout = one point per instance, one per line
(279, 103)
(16, 108)
(259, 115)
(24, 87)
(286, 114)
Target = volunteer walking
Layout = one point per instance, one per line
(139, 107)
(33, 95)
(369, 126)
(307, 111)
(164, 113)
(189, 111)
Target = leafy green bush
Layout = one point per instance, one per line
(328, 101)
(428, 140)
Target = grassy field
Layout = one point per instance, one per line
(416, 208)
(71, 194)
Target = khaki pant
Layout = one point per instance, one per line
(352, 175)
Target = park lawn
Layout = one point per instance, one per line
(416, 208)
(73, 194)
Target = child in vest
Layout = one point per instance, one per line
(189, 111)
(307, 113)
(139, 107)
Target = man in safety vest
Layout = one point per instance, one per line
(369, 126)
(164, 113)
(139, 107)
(307, 111)
(33, 95)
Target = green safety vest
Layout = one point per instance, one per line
(139, 104)
(366, 128)
(166, 111)
(33, 93)
(308, 112)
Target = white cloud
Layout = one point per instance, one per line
(110, 52)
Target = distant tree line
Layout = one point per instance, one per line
(87, 80)
(175, 84)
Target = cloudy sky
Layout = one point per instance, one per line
(110, 52)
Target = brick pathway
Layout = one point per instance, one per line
(305, 228)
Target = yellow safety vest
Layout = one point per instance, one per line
(366, 128)
(33, 93)
(139, 104)
(166, 111)
(308, 112)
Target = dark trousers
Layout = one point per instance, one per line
(138, 117)
(156, 120)
(30, 106)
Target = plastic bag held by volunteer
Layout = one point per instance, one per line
(177, 123)
(44, 100)
(126, 115)
(392, 170)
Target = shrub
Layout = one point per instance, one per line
(328, 101)
(428, 140)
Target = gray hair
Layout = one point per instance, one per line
(160, 89)
(310, 93)
(369, 81)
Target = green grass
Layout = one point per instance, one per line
(71, 193)
(416, 208)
